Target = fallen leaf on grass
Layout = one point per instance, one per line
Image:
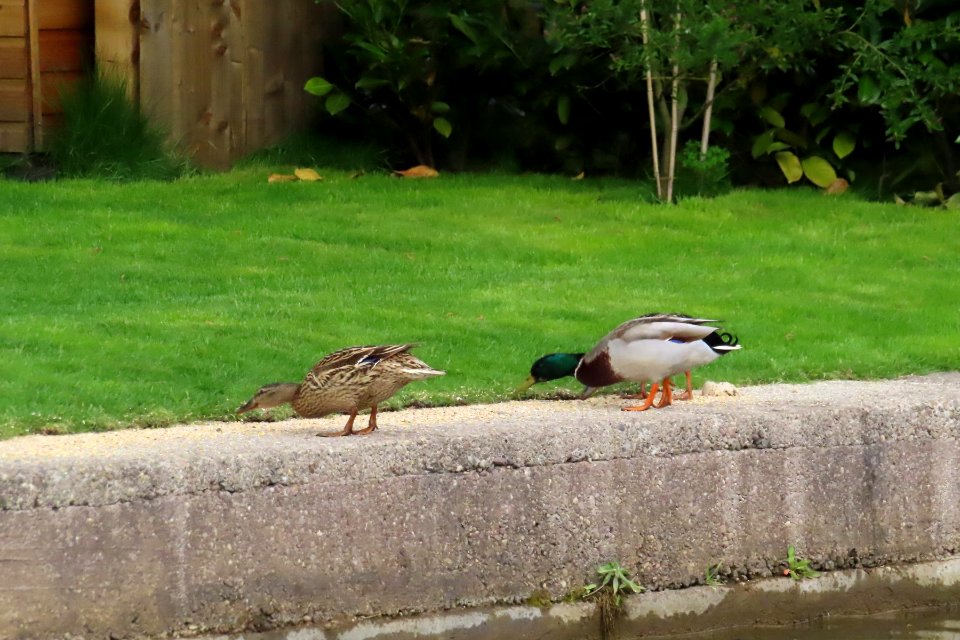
(836, 187)
(419, 171)
(279, 177)
(307, 175)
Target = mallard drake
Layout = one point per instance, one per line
(651, 348)
(558, 365)
(347, 381)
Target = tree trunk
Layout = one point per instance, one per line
(708, 112)
(651, 111)
(674, 113)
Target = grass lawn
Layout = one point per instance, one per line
(149, 303)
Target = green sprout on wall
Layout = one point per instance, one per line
(615, 580)
(712, 576)
(608, 591)
(798, 568)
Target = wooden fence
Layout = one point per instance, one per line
(43, 46)
(224, 77)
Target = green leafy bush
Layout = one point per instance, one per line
(561, 85)
(425, 71)
(104, 135)
(706, 176)
(814, 146)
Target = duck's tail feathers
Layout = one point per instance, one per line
(722, 342)
(423, 373)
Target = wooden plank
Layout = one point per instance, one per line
(65, 50)
(14, 137)
(254, 34)
(65, 14)
(13, 58)
(284, 94)
(52, 85)
(271, 91)
(194, 115)
(15, 100)
(291, 52)
(156, 63)
(52, 121)
(36, 96)
(302, 57)
(218, 140)
(118, 42)
(236, 46)
(13, 18)
(226, 76)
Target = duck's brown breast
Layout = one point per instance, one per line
(597, 371)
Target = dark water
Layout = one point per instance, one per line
(932, 624)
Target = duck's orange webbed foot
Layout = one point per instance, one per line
(666, 398)
(347, 429)
(649, 402)
(688, 394)
(371, 426)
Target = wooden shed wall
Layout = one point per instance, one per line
(15, 97)
(225, 77)
(44, 46)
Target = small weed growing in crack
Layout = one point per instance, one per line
(798, 568)
(712, 576)
(614, 582)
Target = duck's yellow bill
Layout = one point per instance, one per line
(526, 384)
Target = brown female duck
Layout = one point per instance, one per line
(347, 381)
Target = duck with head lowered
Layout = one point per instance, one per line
(651, 348)
(347, 381)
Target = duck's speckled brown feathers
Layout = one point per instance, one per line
(358, 378)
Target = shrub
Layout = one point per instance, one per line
(707, 176)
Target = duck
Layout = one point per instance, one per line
(653, 348)
(347, 381)
(558, 365)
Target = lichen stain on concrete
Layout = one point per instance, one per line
(666, 604)
(304, 634)
(942, 574)
(520, 613)
(569, 613)
(838, 581)
(428, 626)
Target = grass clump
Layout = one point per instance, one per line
(104, 135)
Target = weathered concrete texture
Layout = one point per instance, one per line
(232, 526)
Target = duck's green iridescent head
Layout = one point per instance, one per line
(551, 367)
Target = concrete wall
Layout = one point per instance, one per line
(254, 526)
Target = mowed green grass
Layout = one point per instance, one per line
(151, 303)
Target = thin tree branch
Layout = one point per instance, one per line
(645, 22)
